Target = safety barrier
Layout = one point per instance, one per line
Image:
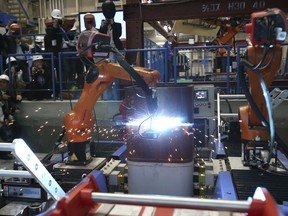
(28, 57)
(192, 63)
(204, 64)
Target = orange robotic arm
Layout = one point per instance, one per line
(80, 121)
(226, 39)
(267, 31)
(225, 34)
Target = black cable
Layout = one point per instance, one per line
(55, 148)
(140, 125)
(150, 99)
(258, 69)
(255, 67)
(244, 63)
(270, 60)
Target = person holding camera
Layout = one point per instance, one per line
(109, 26)
(56, 40)
(54, 36)
(41, 82)
(13, 44)
(8, 127)
(15, 72)
(114, 30)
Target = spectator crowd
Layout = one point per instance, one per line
(30, 65)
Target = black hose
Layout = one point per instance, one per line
(244, 63)
(55, 148)
(150, 99)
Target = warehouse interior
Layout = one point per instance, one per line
(204, 135)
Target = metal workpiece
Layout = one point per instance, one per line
(170, 201)
(167, 135)
(71, 174)
(160, 148)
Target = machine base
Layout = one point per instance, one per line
(71, 174)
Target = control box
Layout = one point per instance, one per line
(204, 103)
(24, 191)
(204, 115)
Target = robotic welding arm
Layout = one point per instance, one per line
(267, 31)
(80, 121)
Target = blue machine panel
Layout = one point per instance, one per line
(225, 187)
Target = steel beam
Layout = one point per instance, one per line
(135, 13)
(197, 9)
(158, 28)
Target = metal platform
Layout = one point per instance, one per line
(246, 182)
(70, 175)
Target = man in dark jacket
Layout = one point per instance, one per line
(7, 109)
(14, 45)
(114, 30)
(109, 26)
(54, 33)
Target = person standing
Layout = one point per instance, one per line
(7, 109)
(15, 45)
(38, 45)
(169, 46)
(114, 30)
(56, 41)
(41, 82)
(109, 26)
(54, 33)
(90, 28)
(54, 38)
(89, 22)
(16, 74)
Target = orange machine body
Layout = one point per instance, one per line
(79, 122)
(250, 124)
(226, 38)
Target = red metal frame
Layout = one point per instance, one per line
(78, 202)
